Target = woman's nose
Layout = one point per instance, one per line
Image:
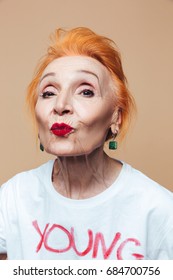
(63, 104)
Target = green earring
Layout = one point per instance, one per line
(113, 144)
(41, 147)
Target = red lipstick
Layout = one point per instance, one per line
(61, 129)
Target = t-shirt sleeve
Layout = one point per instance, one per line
(164, 250)
(2, 227)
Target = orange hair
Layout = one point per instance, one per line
(83, 41)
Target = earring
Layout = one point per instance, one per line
(113, 144)
(41, 147)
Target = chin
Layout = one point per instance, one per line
(61, 150)
(66, 153)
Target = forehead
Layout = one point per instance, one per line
(75, 65)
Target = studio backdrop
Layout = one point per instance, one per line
(143, 32)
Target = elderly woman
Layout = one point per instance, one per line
(83, 204)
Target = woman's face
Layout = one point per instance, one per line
(75, 106)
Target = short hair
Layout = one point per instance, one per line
(83, 41)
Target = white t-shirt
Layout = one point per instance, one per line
(132, 219)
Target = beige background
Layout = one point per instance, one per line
(143, 30)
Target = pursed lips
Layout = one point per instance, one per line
(61, 129)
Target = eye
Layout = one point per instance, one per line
(47, 94)
(87, 93)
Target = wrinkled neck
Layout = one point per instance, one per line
(82, 176)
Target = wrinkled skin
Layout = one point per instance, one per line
(78, 91)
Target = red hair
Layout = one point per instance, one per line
(83, 41)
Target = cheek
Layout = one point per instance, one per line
(41, 113)
(96, 115)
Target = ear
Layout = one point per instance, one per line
(116, 121)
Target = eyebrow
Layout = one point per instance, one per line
(47, 75)
(89, 72)
(80, 71)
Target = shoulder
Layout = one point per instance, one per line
(143, 182)
(153, 204)
(27, 180)
(151, 193)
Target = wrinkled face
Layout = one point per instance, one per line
(75, 106)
